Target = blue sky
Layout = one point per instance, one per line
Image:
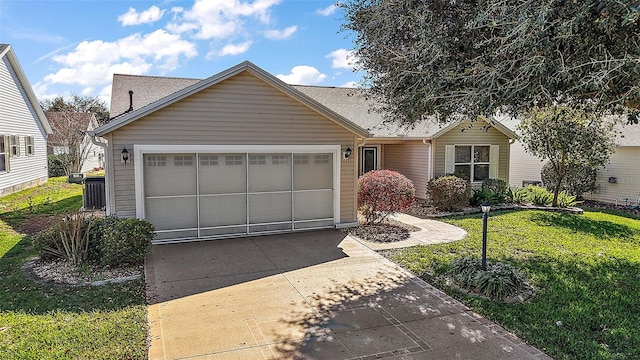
(74, 47)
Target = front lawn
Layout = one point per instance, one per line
(56, 321)
(586, 270)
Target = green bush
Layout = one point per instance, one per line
(495, 186)
(449, 193)
(566, 200)
(123, 241)
(499, 281)
(532, 194)
(59, 165)
(68, 238)
(494, 191)
(578, 179)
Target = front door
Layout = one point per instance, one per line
(369, 159)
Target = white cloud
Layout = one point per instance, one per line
(132, 17)
(93, 63)
(328, 10)
(235, 49)
(342, 59)
(303, 75)
(281, 34)
(217, 19)
(350, 84)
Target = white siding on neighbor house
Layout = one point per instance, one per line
(624, 166)
(242, 110)
(18, 117)
(524, 167)
(473, 135)
(411, 159)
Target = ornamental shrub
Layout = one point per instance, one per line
(499, 281)
(578, 179)
(68, 238)
(59, 165)
(382, 193)
(449, 193)
(123, 241)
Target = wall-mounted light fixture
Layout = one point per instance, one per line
(347, 153)
(124, 156)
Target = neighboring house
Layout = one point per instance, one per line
(23, 128)
(243, 153)
(69, 129)
(618, 182)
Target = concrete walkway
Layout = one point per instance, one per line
(432, 232)
(308, 295)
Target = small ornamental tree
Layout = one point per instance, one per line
(382, 193)
(578, 180)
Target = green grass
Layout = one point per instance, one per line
(61, 322)
(586, 269)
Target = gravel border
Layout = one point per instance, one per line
(61, 272)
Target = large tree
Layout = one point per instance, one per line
(475, 57)
(568, 138)
(78, 104)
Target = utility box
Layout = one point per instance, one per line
(93, 194)
(76, 178)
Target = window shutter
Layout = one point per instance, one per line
(494, 160)
(7, 153)
(18, 145)
(449, 159)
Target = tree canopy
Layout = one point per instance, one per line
(470, 57)
(567, 137)
(78, 104)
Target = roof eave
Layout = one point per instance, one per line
(244, 66)
(22, 77)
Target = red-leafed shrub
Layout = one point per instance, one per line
(382, 193)
(449, 192)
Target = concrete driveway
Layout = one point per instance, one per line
(308, 295)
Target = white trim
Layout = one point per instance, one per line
(472, 163)
(377, 154)
(140, 150)
(347, 225)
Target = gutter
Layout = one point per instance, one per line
(107, 172)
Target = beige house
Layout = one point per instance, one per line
(618, 182)
(242, 153)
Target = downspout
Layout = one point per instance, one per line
(430, 165)
(105, 147)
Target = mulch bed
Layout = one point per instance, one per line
(386, 232)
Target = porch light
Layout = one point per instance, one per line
(347, 153)
(124, 156)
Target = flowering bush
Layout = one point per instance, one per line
(449, 192)
(382, 193)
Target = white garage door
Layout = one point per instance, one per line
(223, 194)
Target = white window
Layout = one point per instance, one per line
(472, 162)
(321, 159)
(300, 159)
(208, 160)
(14, 143)
(3, 154)
(233, 160)
(280, 159)
(183, 160)
(257, 160)
(28, 145)
(155, 160)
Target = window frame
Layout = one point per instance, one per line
(14, 146)
(4, 154)
(29, 145)
(472, 163)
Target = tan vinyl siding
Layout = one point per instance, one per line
(473, 135)
(18, 117)
(523, 167)
(238, 111)
(625, 167)
(410, 159)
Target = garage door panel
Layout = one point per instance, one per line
(172, 213)
(312, 171)
(269, 207)
(222, 210)
(222, 173)
(311, 205)
(269, 172)
(169, 174)
(223, 231)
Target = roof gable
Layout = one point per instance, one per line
(217, 78)
(7, 52)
